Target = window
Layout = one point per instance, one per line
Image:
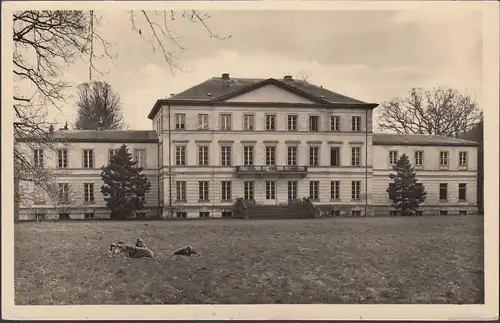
(356, 213)
(270, 155)
(248, 155)
(462, 212)
(335, 190)
(38, 157)
(38, 198)
(248, 190)
(356, 123)
(227, 214)
(391, 192)
(181, 215)
(88, 192)
(314, 123)
(63, 193)
(393, 157)
(356, 190)
(335, 123)
(40, 216)
(313, 156)
(355, 156)
(204, 214)
(88, 158)
(202, 121)
(462, 191)
(443, 159)
(203, 190)
(202, 155)
(249, 122)
(62, 157)
(419, 213)
(180, 189)
(180, 121)
(314, 190)
(292, 190)
(270, 122)
(226, 191)
(292, 156)
(88, 216)
(443, 212)
(180, 155)
(270, 190)
(334, 156)
(140, 157)
(462, 159)
(63, 216)
(292, 123)
(443, 191)
(393, 213)
(225, 122)
(225, 155)
(111, 153)
(419, 158)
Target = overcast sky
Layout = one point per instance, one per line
(373, 56)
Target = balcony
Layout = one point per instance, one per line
(271, 171)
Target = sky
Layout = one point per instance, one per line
(373, 56)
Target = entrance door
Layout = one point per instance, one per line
(271, 193)
(292, 190)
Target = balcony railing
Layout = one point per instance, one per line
(272, 170)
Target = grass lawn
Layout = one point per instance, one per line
(342, 260)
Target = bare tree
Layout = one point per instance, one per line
(439, 111)
(98, 104)
(302, 75)
(45, 43)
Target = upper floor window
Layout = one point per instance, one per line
(292, 123)
(38, 157)
(111, 153)
(248, 122)
(462, 159)
(334, 156)
(355, 156)
(356, 123)
(140, 157)
(203, 121)
(225, 122)
(292, 156)
(443, 159)
(88, 192)
(203, 156)
(180, 155)
(270, 155)
(313, 156)
(419, 158)
(313, 123)
(180, 121)
(248, 155)
(335, 123)
(226, 155)
(270, 122)
(393, 157)
(88, 158)
(62, 158)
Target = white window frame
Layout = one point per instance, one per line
(419, 158)
(292, 122)
(203, 155)
(203, 121)
(63, 193)
(291, 156)
(393, 157)
(225, 121)
(444, 159)
(356, 190)
(270, 155)
(180, 121)
(62, 158)
(463, 159)
(180, 156)
(292, 190)
(140, 157)
(38, 159)
(314, 156)
(311, 123)
(180, 191)
(88, 158)
(355, 156)
(249, 190)
(334, 190)
(226, 155)
(88, 192)
(270, 122)
(334, 123)
(356, 123)
(314, 190)
(248, 122)
(248, 155)
(270, 190)
(226, 188)
(203, 191)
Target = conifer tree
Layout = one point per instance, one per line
(406, 194)
(124, 185)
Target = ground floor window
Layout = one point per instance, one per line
(88, 216)
(181, 214)
(462, 212)
(204, 214)
(40, 216)
(356, 213)
(270, 190)
(419, 213)
(227, 214)
(248, 190)
(63, 216)
(292, 190)
(442, 212)
(335, 213)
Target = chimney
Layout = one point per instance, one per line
(225, 76)
(99, 126)
(288, 78)
(172, 94)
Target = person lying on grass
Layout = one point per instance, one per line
(132, 251)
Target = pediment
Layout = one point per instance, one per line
(269, 93)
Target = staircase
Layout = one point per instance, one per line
(293, 211)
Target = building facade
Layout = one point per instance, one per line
(272, 141)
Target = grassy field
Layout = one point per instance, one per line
(342, 260)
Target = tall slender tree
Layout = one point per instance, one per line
(405, 191)
(98, 105)
(124, 184)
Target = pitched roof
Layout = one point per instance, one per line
(419, 140)
(110, 136)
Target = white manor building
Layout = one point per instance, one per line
(267, 141)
